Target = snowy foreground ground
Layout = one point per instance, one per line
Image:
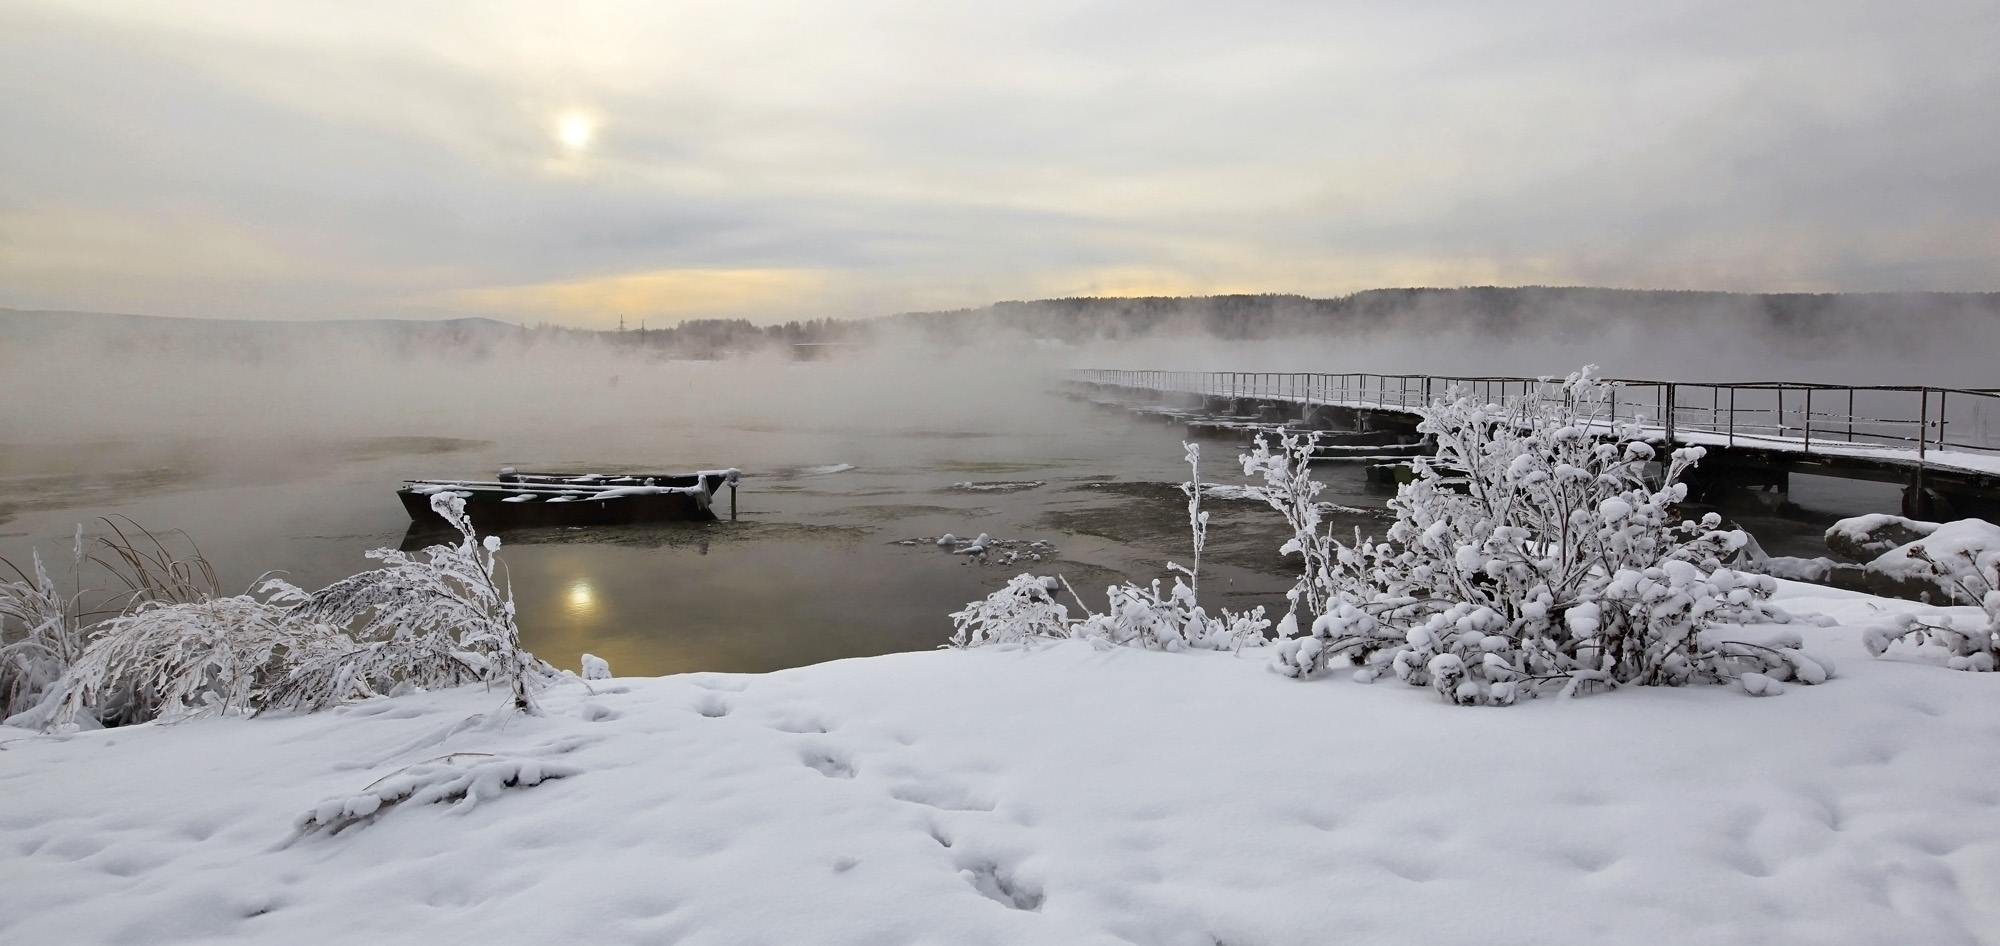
(1059, 795)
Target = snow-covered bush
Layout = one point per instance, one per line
(1972, 575)
(437, 619)
(175, 660)
(1023, 611)
(1538, 547)
(179, 649)
(1144, 617)
(1026, 609)
(41, 634)
(174, 649)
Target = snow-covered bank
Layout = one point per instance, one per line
(1056, 795)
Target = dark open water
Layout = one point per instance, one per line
(816, 567)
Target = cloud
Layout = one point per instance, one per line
(409, 159)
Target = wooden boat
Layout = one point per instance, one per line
(515, 500)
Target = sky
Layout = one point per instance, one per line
(580, 162)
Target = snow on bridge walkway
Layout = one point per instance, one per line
(1930, 438)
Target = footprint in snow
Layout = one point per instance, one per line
(712, 706)
(944, 796)
(827, 764)
(999, 884)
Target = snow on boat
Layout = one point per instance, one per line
(515, 500)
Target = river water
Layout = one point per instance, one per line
(850, 472)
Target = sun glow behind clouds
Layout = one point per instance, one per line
(575, 130)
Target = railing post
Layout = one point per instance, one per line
(1923, 428)
(1923, 425)
(1941, 418)
(1732, 417)
(1670, 415)
(1808, 446)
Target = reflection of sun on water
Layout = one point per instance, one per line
(582, 600)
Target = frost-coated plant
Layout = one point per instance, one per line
(1022, 612)
(178, 649)
(1144, 617)
(437, 619)
(1977, 577)
(47, 637)
(1537, 547)
(1197, 520)
(171, 661)
(1026, 609)
(165, 647)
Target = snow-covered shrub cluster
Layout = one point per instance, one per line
(1135, 616)
(179, 649)
(1538, 547)
(1973, 575)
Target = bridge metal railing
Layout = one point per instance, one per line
(1784, 416)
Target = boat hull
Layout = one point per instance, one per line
(490, 511)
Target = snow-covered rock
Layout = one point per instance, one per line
(1938, 566)
(1863, 539)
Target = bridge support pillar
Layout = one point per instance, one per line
(1921, 502)
(1722, 486)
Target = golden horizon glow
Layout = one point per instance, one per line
(684, 293)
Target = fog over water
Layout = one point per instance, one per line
(285, 458)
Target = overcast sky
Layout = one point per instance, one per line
(665, 159)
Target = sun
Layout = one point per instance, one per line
(575, 130)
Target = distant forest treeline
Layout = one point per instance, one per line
(1501, 312)
(1513, 313)
(722, 338)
